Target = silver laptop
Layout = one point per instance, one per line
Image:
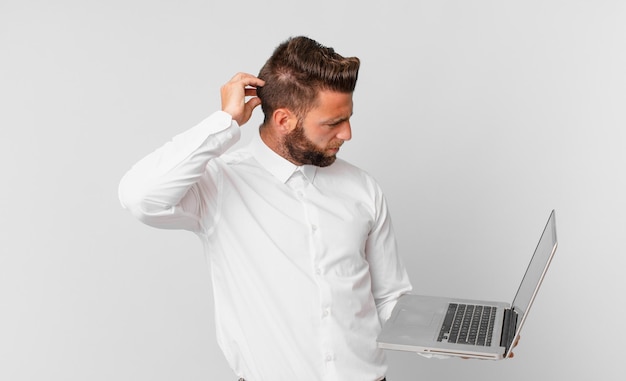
(468, 328)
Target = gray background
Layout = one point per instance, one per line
(477, 118)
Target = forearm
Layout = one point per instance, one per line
(386, 302)
(389, 276)
(156, 190)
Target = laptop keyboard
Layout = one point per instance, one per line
(468, 324)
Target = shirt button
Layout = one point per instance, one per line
(326, 312)
(329, 358)
(314, 228)
(318, 271)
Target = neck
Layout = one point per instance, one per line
(275, 143)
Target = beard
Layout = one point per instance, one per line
(301, 150)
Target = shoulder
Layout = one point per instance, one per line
(343, 167)
(237, 162)
(235, 157)
(347, 174)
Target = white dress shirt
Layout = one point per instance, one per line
(303, 259)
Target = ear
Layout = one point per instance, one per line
(285, 120)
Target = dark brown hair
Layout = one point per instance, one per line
(298, 69)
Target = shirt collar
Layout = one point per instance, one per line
(277, 165)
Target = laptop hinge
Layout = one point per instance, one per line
(509, 326)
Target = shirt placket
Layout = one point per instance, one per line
(300, 184)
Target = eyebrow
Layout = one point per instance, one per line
(337, 120)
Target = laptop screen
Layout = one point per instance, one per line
(536, 270)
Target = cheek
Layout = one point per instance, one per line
(320, 135)
(320, 138)
(328, 136)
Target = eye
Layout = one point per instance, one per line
(334, 124)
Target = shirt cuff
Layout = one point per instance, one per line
(218, 122)
(218, 131)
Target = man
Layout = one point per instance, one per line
(302, 251)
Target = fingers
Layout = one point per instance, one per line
(247, 80)
(249, 106)
(511, 355)
(252, 103)
(234, 94)
(250, 92)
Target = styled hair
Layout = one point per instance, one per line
(297, 70)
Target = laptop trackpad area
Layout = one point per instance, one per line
(414, 318)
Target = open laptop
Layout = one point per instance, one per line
(468, 328)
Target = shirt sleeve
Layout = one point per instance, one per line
(170, 187)
(389, 277)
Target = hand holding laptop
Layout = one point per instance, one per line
(439, 326)
(511, 355)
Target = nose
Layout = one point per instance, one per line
(345, 133)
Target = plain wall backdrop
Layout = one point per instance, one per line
(476, 117)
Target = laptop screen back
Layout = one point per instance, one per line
(536, 270)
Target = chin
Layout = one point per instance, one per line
(328, 160)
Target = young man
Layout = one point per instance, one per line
(302, 252)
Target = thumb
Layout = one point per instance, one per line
(253, 102)
(250, 105)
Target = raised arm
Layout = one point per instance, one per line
(170, 187)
